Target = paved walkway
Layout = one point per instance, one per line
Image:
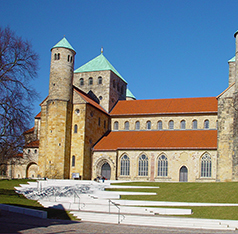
(18, 223)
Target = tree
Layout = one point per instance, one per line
(18, 66)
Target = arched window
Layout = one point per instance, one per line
(148, 125)
(99, 80)
(160, 125)
(90, 81)
(125, 165)
(171, 124)
(81, 81)
(55, 56)
(114, 84)
(71, 59)
(75, 128)
(68, 58)
(183, 124)
(73, 161)
(99, 121)
(143, 165)
(162, 166)
(118, 87)
(195, 124)
(58, 56)
(206, 124)
(116, 125)
(137, 126)
(206, 166)
(127, 125)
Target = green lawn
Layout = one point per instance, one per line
(193, 192)
(10, 197)
(180, 192)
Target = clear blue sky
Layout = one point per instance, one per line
(163, 49)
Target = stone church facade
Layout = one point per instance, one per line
(91, 125)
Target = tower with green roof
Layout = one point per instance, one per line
(54, 154)
(102, 81)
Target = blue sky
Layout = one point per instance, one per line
(163, 49)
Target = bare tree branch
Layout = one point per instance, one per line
(18, 65)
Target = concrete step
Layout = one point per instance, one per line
(152, 221)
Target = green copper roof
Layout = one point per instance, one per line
(129, 94)
(63, 44)
(100, 63)
(232, 59)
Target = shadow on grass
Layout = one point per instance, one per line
(14, 222)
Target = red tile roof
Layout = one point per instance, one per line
(32, 144)
(38, 115)
(89, 100)
(29, 130)
(170, 139)
(166, 106)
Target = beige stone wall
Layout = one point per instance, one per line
(99, 158)
(165, 120)
(106, 94)
(54, 153)
(89, 130)
(225, 135)
(231, 73)
(176, 159)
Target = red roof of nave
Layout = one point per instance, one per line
(171, 139)
(165, 106)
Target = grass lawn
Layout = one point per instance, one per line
(179, 192)
(192, 192)
(10, 197)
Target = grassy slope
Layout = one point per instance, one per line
(9, 196)
(193, 192)
(181, 192)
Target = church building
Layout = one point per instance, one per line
(91, 125)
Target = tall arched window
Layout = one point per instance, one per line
(73, 161)
(183, 124)
(90, 81)
(171, 124)
(162, 166)
(148, 125)
(99, 80)
(195, 124)
(137, 125)
(206, 124)
(68, 58)
(160, 125)
(118, 87)
(125, 165)
(55, 56)
(116, 125)
(126, 125)
(114, 84)
(58, 56)
(75, 128)
(99, 121)
(81, 81)
(206, 166)
(143, 165)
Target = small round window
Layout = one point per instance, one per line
(77, 111)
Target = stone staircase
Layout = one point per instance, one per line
(88, 201)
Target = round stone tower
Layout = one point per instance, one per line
(61, 71)
(56, 114)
